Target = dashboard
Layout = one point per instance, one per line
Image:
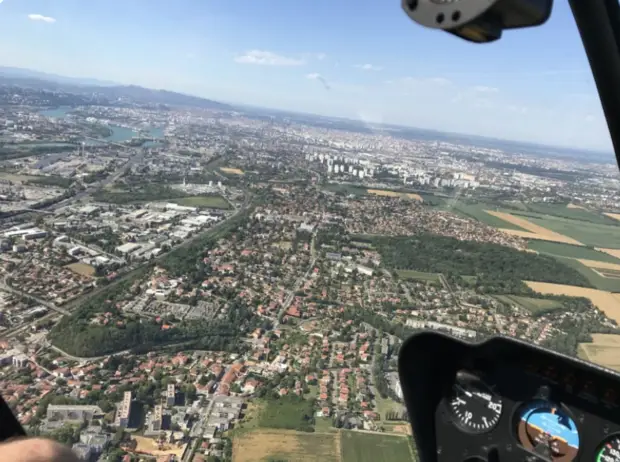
(506, 400)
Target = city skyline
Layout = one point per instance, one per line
(366, 65)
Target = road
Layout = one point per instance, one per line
(295, 288)
(40, 301)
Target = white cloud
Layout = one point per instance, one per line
(368, 67)
(268, 58)
(40, 17)
(485, 89)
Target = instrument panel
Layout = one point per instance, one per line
(505, 400)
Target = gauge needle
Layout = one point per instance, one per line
(465, 392)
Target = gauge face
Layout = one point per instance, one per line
(610, 451)
(474, 406)
(547, 430)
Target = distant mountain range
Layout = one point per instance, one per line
(109, 90)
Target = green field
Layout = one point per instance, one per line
(212, 202)
(372, 447)
(533, 305)
(417, 275)
(561, 210)
(595, 235)
(477, 212)
(599, 282)
(570, 251)
(289, 412)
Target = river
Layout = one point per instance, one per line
(119, 134)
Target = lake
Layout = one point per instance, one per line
(119, 134)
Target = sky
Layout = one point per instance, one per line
(360, 59)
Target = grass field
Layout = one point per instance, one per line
(534, 230)
(262, 445)
(607, 302)
(595, 235)
(373, 447)
(417, 275)
(211, 202)
(385, 405)
(604, 350)
(82, 269)
(233, 171)
(385, 192)
(286, 413)
(534, 305)
(571, 251)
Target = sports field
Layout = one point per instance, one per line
(386, 193)
(82, 269)
(373, 447)
(265, 444)
(607, 302)
(533, 230)
(604, 350)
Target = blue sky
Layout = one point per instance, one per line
(362, 59)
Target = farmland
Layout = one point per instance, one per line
(595, 235)
(479, 212)
(373, 447)
(594, 277)
(540, 210)
(264, 444)
(607, 302)
(533, 305)
(571, 251)
(212, 202)
(534, 230)
(603, 350)
(615, 216)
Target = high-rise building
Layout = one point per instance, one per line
(124, 411)
(170, 394)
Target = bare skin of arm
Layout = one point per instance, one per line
(36, 450)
